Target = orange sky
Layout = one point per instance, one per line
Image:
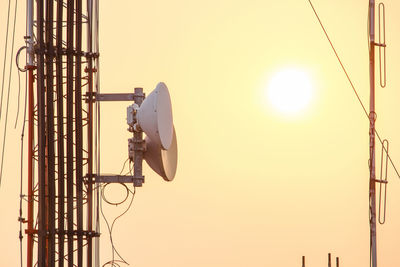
(253, 188)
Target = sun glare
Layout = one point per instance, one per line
(289, 91)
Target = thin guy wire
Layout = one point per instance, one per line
(351, 83)
(338, 58)
(8, 93)
(5, 58)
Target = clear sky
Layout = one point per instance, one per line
(253, 187)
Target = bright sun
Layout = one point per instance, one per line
(289, 91)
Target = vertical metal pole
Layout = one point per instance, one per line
(50, 132)
(30, 68)
(78, 129)
(95, 27)
(41, 137)
(90, 137)
(70, 131)
(60, 134)
(303, 261)
(372, 118)
(30, 170)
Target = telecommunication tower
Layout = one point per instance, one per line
(63, 166)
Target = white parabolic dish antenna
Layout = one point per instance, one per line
(155, 116)
(163, 162)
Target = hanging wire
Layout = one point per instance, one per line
(114, 203)
(17, 59)
(8, 93)
(114, 262)
(21, 196)
(5, 57)
(19, 82)
(352, 85)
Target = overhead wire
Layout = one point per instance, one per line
(5, 56)
(8, 92)
(351, 83)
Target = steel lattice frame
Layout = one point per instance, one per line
(60, 140)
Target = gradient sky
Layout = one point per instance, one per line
(253, 188)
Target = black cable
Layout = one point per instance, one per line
(8, 93)
(19, 82)
(17, 58)
(21, 196)
(114, 203)
(113, 263)
(123, 167)
(19, 92)
(22, 162)
(110, 228)
(351, 83)
(20, 218)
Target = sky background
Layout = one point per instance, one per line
(253, 187)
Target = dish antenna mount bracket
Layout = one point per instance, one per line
(154, 118)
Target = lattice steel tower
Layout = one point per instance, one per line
(61, 227)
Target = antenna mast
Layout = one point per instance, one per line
(372, 119)
(60, 224)
(63, 171)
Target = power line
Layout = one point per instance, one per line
(351, 83)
